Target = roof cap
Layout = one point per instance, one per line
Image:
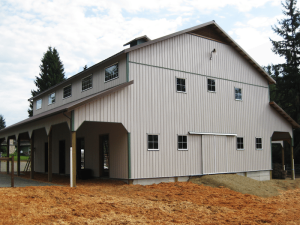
(138, 40)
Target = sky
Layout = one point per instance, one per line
(87, 32)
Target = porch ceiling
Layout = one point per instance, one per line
(281, 136)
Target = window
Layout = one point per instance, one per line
(180, 84)
(87, 83)
(211, 85)
(258, 143)
(182, 142)
(152, 142)
(238, 93)
(51, 99)
(111, 72)
(39, 104)
(67, 92)
(240, 143)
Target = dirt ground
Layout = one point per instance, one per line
(113, 202)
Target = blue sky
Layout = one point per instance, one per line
(86, 32)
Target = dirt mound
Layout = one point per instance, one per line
(240, 184)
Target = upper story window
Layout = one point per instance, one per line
(211, 85)
(67, 92)
(153, 142)
(87, 83)
(51, 98)
(182, 142)
(258, 143)
(180, 85)
(240, 143)
(111, 72)
(238, 93)
(39, 104)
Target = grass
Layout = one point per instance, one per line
(22, 157)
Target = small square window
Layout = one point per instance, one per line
(67, 91)
(112, 72)
(258, 143)
(180, 85)
(238, 93)
(51, 99)
(240, 143)
(39, 104)
(153, 142)
(87, 83)
(182, 142)
(211, 85)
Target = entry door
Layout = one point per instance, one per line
(80, 153)
(62, 156)
(104, 155)
(46, 157)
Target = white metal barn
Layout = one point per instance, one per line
(190, 103)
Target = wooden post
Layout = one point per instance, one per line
(32, 157)
(18, 159)
(282, 158)
(73, 158)
(12, 170)
(292, 160)
(50, 156)
(7, 154)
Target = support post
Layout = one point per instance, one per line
(282, 158)
(50, 156)
(73, 160)
(292, 159)
(18, 157)
(32, 157)
(12, 170)
(7, 154)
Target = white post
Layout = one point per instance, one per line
(71, 168)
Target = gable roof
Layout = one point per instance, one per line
(212, 31)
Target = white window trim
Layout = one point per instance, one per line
(71, 91)
(207, 85)
(241, 92)
(187, 141)
(183, 92)
(87, 88)
(41, 103)
(259, 149)
(157, 141)
(54, 98)
(240, 149)
(105, 81)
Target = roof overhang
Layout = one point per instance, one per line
(216, 134)
(284, 114)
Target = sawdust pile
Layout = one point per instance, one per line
(113, 202)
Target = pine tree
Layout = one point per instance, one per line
(51, 73)
(2, 123)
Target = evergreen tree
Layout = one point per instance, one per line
(51, 73)
(287, 75)
(2, 123)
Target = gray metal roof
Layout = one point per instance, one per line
(138, 38)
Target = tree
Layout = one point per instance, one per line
(2, 123)
(287, 75)
(51, 73)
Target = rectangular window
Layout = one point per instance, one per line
(240, 143)
(211, 85)
(51, 99)
(67, 91)
(258, 142)
(180, 84)
(111, 72)
(87, 83)
(182, 142)
(238, 93)
(152, 142)
(39, 104)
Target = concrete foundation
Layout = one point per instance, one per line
(257, 175)
(150, 181)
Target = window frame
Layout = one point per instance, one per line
(54, 98)
(105, 81)
(208, 85)
(184, 92)
(64, 91)
(37, 104)
(158, 142)
(187, 148)
(240, 149)
(91, 75)
(241, 94)
(260, 143)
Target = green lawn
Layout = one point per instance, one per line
(22, 158)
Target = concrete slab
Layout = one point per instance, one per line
(20, 182)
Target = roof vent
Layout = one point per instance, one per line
(138, 40)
